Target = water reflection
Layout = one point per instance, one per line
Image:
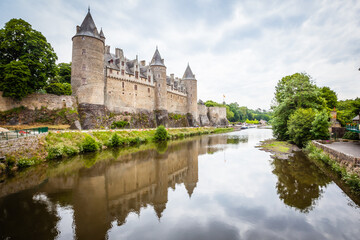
(300, 183)
(181, 190)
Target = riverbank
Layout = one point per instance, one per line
(29, 151)
(344, 175)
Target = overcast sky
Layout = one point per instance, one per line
(236, 48)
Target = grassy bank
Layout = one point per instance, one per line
(317, 155)
(57, 144)
(279, 149)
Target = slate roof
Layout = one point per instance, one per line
(188, 73)
(156, 60)
(88, 27)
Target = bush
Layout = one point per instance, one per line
(55, 152)
(119, 124)
(59, 89)
(90, 145)
(351, 135)
(115, 140)
(300, 125)
(320, 126)
(161, 134)
(24, 163)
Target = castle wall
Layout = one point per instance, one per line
(217, 115)
(124, 95)
(38, 101)
(176, 102)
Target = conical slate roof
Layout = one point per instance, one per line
(188, 73)
(88, 27)
(102, 33)
(156, 60)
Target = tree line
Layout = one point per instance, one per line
(27, 63)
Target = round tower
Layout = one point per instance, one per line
(191, 89)
(87, 70)
(159, 70)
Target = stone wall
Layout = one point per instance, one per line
(24, 147)
(217, 116)
(129, 96)
(342, 158)
(38, 101)
(203, 115)
(176, 102)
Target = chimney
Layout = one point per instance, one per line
(142, 63)
(119, 52)
(107, 49)
(77, 29)
(172, 76)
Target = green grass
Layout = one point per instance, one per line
(276, 146)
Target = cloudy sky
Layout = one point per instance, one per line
(236, 48)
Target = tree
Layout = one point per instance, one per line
(64, 74)
(59, 88)
(320, 125)
(329, 96)
(293, 92)
(300, 125)
(26, 50)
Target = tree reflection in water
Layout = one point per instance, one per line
(300, 183)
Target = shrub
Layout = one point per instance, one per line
(161, 134)
(119, 124)
(90, 145)
(115, 140)
(24, 163)
(55, 152)
(351, 135)
(59, 88)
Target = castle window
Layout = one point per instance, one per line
(83, 80)
(83, 51)
(110, 70)
(149, 78)
(123, 84)
(122, 72)
(136, 74)
(83, 67)
(122, 63)
(117, 72)
(148, 90)
(135, 87)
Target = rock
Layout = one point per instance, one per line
(76, 125)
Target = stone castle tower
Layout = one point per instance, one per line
(159, 71)
(191, 87)
(87, 70)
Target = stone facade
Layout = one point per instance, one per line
(38, 101)
(120, 84)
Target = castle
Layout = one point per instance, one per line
(102, 78)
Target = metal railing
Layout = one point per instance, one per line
(353, 127)
(22, 133)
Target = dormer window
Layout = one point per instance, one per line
(122, 72)
(149, 78)
(136, 74)
(122, 63)
(110, 70)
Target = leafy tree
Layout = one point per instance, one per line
(16, 75)
(20, 43)
(59, 89)
(161, 134)
(320, 125)
(329, 96)
(347, 110)
(300, 125)
(64, 74)
(293, 92)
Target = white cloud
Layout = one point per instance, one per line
(240, 49)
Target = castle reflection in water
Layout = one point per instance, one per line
(109, 191)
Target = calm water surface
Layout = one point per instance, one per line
(211, 187)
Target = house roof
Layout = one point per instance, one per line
(188, 73)
(88, 27)
(157, 60)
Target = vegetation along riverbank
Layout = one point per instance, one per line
(344, 176)
(61, 144)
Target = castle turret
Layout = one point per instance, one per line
(87, 70)
(191, 88)
(159, 70)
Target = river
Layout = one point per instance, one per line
(208, 187)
